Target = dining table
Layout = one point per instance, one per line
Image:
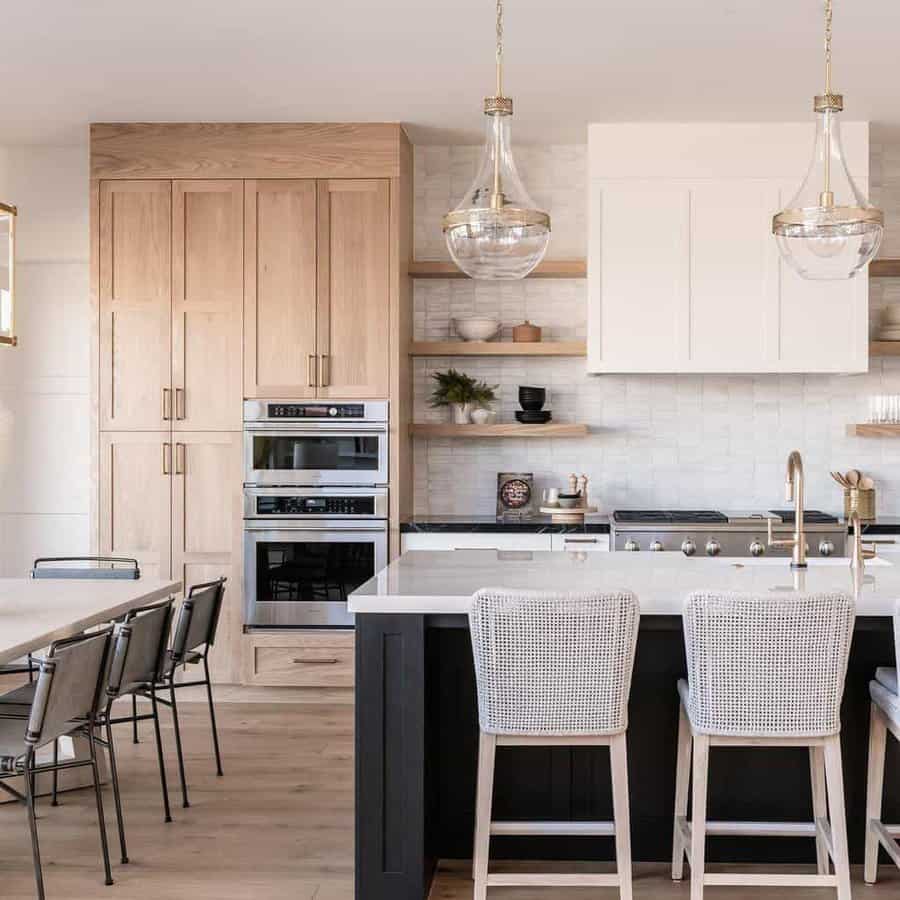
(35, 612)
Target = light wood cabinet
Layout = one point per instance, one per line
(684, 274)
(206, 528)
(300, 659)
(136, 498)
(135, 293)
(207, 301)
(317, 288)
(280, 289)
(354, 294)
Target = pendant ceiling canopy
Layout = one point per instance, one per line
(496, 231)
(828, 230)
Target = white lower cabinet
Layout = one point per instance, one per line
(477, 540)
(584, 543)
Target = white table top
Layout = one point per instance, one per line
(426, 581)
(34, 612)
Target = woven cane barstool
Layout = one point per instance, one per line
(885, 719)
(764, 672)
(554, 670)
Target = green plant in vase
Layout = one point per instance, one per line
(461, 392)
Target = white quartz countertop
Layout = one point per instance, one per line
(426, 581)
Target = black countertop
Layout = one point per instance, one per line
(596, 524)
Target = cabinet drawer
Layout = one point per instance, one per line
(310, 659)
(462, 540)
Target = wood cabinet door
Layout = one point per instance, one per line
(135, 304)
(207, 521)
(207, 304)
(354, 288)
(280, 289)
(136, 498)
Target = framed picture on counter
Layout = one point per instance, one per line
(515, 495)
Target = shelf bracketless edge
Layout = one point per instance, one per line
(870, 429)
(502, 430)
(884, 348)
(551, 268)
(888, 267)
(497, 348)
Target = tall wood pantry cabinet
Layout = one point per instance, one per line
(233, 261)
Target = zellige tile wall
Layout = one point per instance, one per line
(656, 440)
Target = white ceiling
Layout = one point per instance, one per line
(428, 64)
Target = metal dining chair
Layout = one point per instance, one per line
(138, 663)
(66, 703)
(195, 634)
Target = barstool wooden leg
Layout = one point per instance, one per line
(682, 785)
(835, 778)
(874, 789)
(698, 815)
(487, 747)
(618, 758)
(820, 804)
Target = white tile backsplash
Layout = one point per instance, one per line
(656, 440)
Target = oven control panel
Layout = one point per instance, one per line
(316, 411)
(299, 505)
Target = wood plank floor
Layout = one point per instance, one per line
(279, 825)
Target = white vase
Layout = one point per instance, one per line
(482, 416)
(461, 412)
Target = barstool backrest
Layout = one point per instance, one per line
(68, 686)
(553, 663)
(198, 618)
(139, 648)
(767, 666)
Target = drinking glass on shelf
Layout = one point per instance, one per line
(884, 409)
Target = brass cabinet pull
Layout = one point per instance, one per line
(179, 403)
(166, 404)
(316, 662)
(325, 369)
(180, 451)
(167, 459)
(311, 370)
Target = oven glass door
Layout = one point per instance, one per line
(332, 456)
(302, 576)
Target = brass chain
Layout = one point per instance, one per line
(828, 14)
(500, 48)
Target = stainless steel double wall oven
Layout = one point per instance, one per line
(315, 508)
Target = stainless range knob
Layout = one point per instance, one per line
(656, 546)
(757, 548)
(632, 544)
(713, 547)
(688, 547)
(826, 547)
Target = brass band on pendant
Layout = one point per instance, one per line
(507, 217)
(498, 106)
(825, 102)
(8, 208)
(817, 217)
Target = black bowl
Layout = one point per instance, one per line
(532, 398)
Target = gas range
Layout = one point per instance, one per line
(714, 533)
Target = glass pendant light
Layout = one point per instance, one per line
(496, 232)
(8, 275)
(828, 231)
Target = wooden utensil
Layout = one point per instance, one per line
(866, 483)
(853, 477)
(840, 479)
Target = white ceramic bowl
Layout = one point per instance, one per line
(476, 328)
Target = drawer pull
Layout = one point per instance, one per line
(311, 370)
(167, 404)
(179, 404)
(580, 540)
(325, 370)
(316, 662)
(167, 459)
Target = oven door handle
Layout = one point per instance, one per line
(337, 525)
(328, 427)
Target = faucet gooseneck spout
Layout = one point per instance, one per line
(793, 491)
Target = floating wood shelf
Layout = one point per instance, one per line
(501, 430)
(498, 348)
(870, 429)
(884, 348)
(550, 268)
(888, 267)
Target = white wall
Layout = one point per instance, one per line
(44, 382)
(656, 441)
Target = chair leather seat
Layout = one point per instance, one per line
(887, 677)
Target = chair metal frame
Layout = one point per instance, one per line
(28, 768)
